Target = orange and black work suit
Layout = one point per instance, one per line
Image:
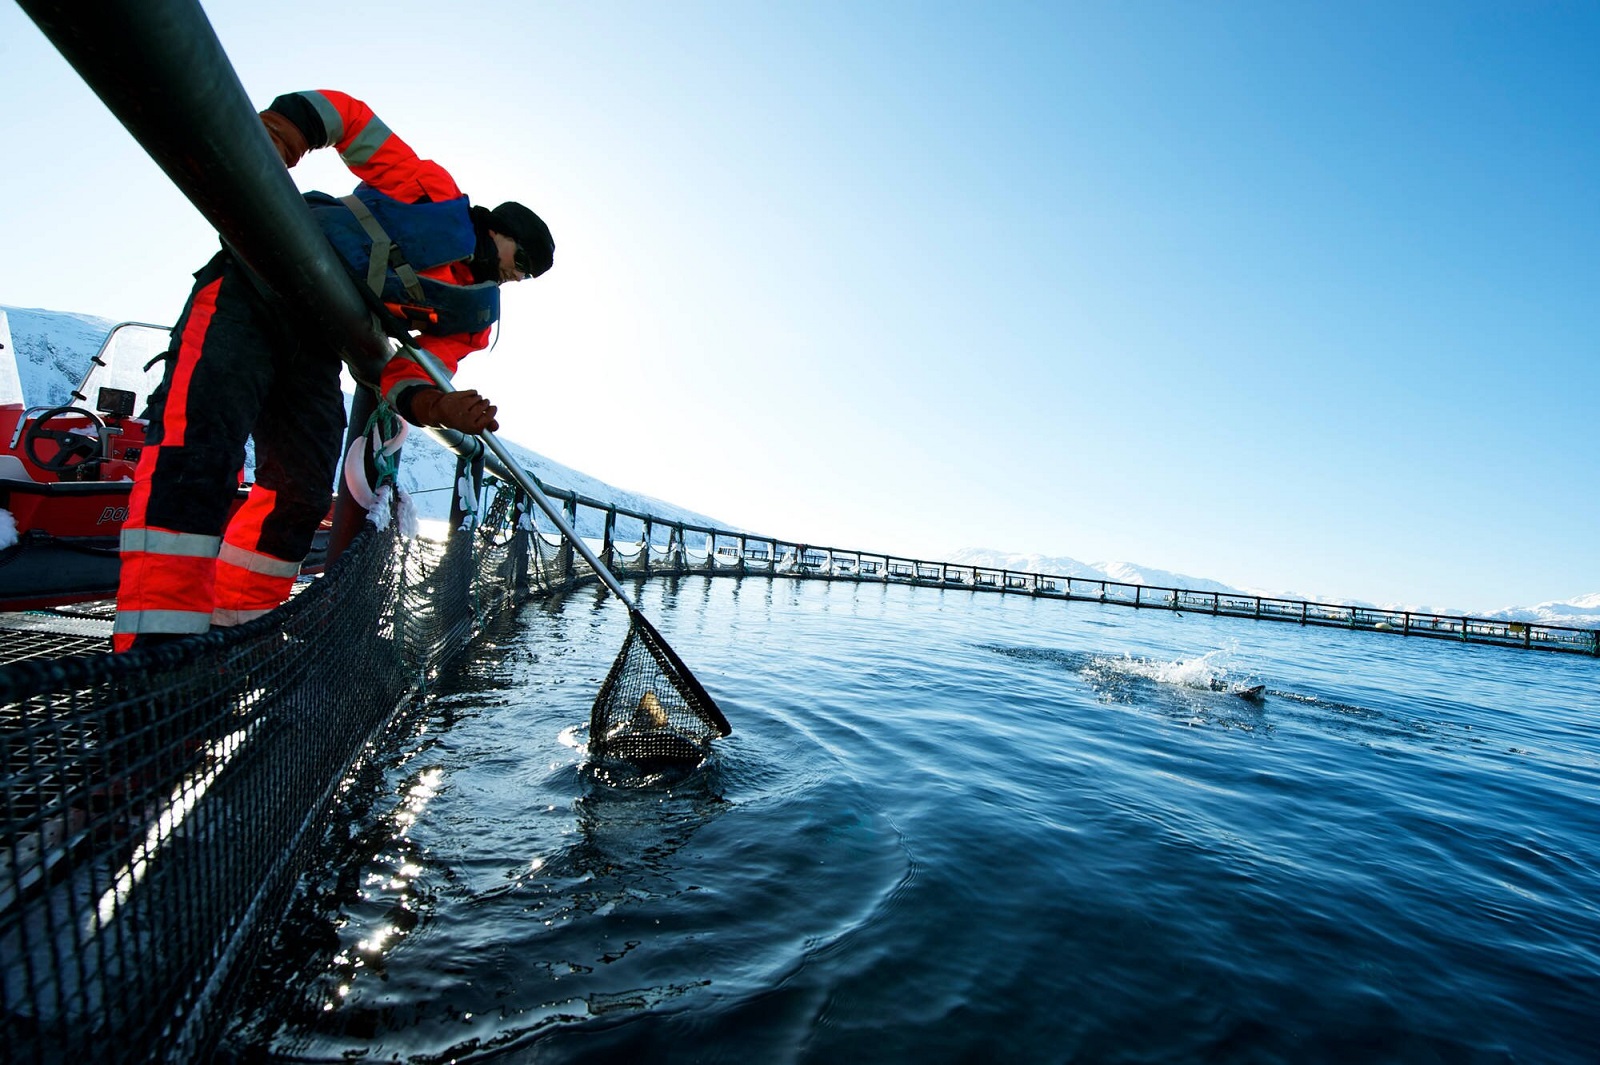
(239, 368)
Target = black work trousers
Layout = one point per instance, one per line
(237, 369)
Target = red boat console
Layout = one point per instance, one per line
(66, 473)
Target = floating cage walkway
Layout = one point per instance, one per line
(641, 545)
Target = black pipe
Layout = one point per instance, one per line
(158, 66)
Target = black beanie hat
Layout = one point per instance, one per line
(530, 233)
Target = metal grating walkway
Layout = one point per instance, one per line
(82, 629)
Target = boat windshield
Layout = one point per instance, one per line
(128, 361)
(10, 382)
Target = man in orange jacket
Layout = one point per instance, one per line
(239, 368)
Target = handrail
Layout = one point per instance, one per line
(158, 66)
(792, 559)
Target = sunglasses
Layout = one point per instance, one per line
(522, 262)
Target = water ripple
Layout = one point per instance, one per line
(951, 827)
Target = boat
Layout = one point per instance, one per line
(66, 472)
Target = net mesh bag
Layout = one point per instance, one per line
(651, 712)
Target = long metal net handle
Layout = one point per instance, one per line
(441, 378)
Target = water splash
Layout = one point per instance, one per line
(1213, 671)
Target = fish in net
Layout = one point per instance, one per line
(651, 711)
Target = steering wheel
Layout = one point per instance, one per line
(73, 450)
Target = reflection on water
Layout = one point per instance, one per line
(951, 827)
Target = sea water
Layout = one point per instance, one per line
(953, 826)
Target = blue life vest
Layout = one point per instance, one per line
(418, 236)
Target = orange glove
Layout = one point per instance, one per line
(286, 137)
(463, 411)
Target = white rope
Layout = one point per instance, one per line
(378, 501)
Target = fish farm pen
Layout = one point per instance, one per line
(160, 804)
(720, 551)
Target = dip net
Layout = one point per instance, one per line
(651, 712)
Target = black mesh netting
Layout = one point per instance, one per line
(159, 804)
(651, 712)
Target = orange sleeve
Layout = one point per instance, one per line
(377, 155)
(400, 373)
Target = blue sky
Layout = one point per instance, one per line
(1301, 297)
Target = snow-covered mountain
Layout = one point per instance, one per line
(1580, 612)
(1061, 566)
(53, 349)
(1134, 573)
